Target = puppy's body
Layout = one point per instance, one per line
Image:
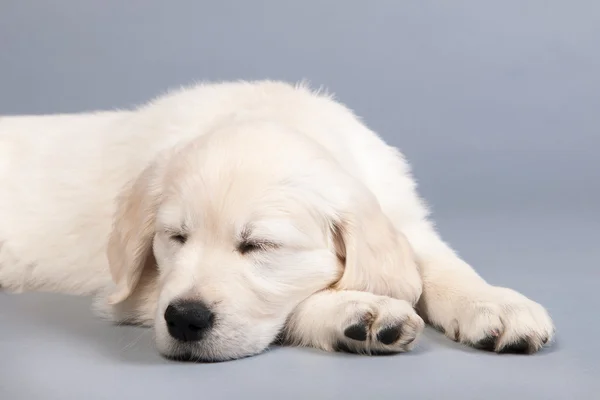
(67, 181)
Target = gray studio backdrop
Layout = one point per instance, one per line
(495, 103)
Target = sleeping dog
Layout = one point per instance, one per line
(229, 215)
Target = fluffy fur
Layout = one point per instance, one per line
(344, 258)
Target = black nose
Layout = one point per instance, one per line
(187, 321)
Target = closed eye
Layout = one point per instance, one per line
(250, 246)
(180, 238)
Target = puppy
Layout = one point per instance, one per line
(231, 215)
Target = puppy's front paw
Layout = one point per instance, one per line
(500, 320)
(382, 326)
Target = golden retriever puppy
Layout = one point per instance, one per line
(231, 215)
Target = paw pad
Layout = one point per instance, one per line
(519, 347)
(390, 334)
(356, 332)
(523, 345)
(488, 343)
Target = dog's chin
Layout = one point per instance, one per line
(222, 343)
(196, 353)
(191, 357)
(202, 352)
(211, 349)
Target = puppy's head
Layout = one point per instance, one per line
(235, 230)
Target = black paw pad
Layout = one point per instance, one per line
(518, 347)
(390, 335)
(488, 343)
(356, 332)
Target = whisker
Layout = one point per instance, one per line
(134, 341)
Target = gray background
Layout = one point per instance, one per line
(496, 105)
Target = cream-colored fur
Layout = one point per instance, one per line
(91, 202)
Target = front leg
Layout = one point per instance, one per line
(352, 321)
(467, 309)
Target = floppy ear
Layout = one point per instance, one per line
(377, 257)
(130, 242)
